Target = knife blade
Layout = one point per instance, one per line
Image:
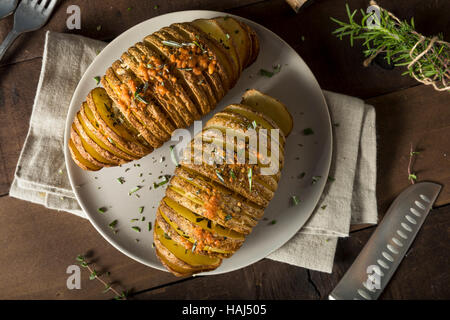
(375, 265)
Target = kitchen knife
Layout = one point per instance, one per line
(380, 257)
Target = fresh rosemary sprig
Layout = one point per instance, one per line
(427, 59)
(93, 274)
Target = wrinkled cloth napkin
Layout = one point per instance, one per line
(41, 176)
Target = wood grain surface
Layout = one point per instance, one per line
(38, 244)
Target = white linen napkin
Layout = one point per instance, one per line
(41, 176)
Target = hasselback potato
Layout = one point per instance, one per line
(169, 79)
(210, 206)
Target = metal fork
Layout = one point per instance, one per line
(30, 15)
(7, 7)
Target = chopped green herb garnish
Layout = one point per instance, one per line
(135, 228)
(138, 97)
(99, 27)
(185, 69)
(167, 236)
(295, 200)
(308, 131)
(159, 184)
(254, 124)
(270, 74)
(272, 222)
(228, 217)
(331, 179)
(249, 176)
(113, 224)
(134, 220)
(143, 218)
(315, 179)
(97, 79)
(171, 44)
(194, 246)
(121, 180)
(141, 209)
(220, 176)
(129, 8)
(102, 210)
(228, 36)
(233, 176)
(266, 73)
(323, 207)
(134, 190)
(156, 7)
(412, 176)
(173, 156)
(414, 153)
(149, 226)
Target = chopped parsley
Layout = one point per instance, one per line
(315, 179)
(102, 210)
(308, 131)
(295, 200)
(173, 156)
(97, 79)
(228, 217)
(113, 224)
(135, 228)
(134, 190)
(141, 209)
(276, 69)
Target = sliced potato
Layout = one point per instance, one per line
(91, 147)
(101, 107)
(121, 96)
(81, 146)
(92, 128)
(176, 255)
(79, 160)
(240, 36)
(203, 85)
(224, 64)
(151, 114)
(178, 88)
(215, 30)
(271, 107)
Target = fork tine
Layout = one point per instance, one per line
(51, 6)
(33, 3)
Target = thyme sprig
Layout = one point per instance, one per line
(93, 274)
(427, 59)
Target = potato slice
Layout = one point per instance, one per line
(177, 255)
(79, 160)
(121, 96)
(240, 36)
(92, 128)
(81, 146)
(202, 84)
(270, 107)
(214, 29)
(168, 100)
(179, 236)
(101, 107)
(224, 66)
(131, 82)
(254, 43)
(91, 147)
(151, 114)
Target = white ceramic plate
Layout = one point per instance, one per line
(295, 86)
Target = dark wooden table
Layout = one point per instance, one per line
(38, 244)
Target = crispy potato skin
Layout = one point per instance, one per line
(209, 208)
(165, 82)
